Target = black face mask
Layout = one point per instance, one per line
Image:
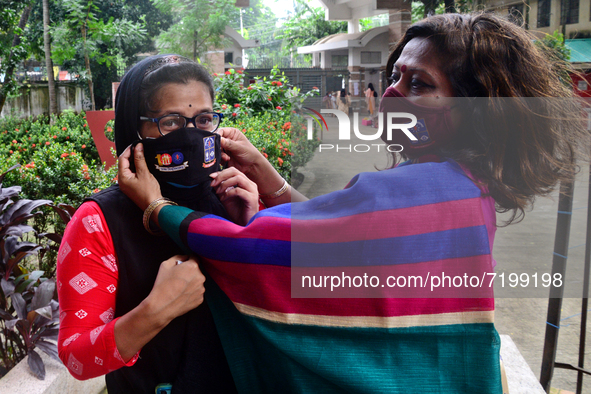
(183, 158)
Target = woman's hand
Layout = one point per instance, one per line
(140, 186)
(178, 289)
(239, 152)
(239, 194)
(242, 155)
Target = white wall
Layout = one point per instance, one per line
(378, 44)
(34, 100)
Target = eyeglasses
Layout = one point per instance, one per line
(208, 121)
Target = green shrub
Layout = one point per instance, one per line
(29, 135)
(265, 112)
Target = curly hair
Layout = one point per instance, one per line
(524, 141)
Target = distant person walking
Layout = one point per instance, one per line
(343, 102)
(370, 95)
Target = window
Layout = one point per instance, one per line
(570, 12)
(516, 14)
(229, 57)
(371, 57)
(544, 13)
(340, 60)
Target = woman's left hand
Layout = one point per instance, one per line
(140, 186)
(239, 194)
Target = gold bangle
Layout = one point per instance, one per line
(278, 192)
(151, 208)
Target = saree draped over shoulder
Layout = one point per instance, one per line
(420, 218)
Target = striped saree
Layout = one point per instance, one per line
(280, 337)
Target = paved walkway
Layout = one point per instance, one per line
(522, 247)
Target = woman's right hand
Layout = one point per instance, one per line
(239, 152)
(140, 186)
(178, 288)
(242, 154)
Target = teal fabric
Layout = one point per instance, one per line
(170, 218)
(267, 357)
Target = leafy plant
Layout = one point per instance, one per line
(198, 26)
(29, 314)
(263, 111)
(85, 34)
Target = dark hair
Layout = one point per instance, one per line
(343, 95)
(170, 69)
(370, 85)
(484, 55)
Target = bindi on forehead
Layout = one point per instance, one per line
(190, 105)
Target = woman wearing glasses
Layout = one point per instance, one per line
(129, 308)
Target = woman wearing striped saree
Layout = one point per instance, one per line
(287, 324)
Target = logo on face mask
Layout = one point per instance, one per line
(420, 132)
(209, 151)
(165, 159)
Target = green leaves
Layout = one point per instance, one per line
(263, 111)
(307, 26)
(197, 26)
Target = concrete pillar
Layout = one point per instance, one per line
(400, 20)
(355, 78)
(353, 26)
(323, 60)
(216, 60)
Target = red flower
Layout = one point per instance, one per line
(215, 74)
(83, 146)
(249, 88)
(47, 143)
(34, 145)
(73, 154)
(10, 152)
(26, 131)
(109, 129)
(239, 71)
(280, 160)
(234, 114)
(273, 83)
(67, 137)
(227, 73)
(244, 130)
(269, 98)
(236, 105)
(64, 155)
(29, 138)
(14, 141)
(96, 190)
(279, 108)
(64, 128)
(286, 126)
(315, 88)
(279, 83)
(266, 155)
(224, 106)
(85, 125)
(55, 136)
(15, 129)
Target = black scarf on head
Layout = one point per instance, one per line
(199, 197)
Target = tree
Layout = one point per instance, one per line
(84, 34)
(307, 26)
(48, 62)
(198, 25)
(12, 49)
